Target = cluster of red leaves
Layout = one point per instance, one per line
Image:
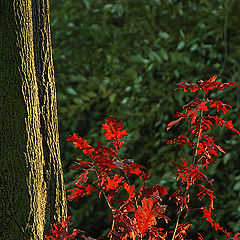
(60, 231)
(205, 150)
(135, 212)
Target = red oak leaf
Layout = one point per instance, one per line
(226, 85)
(81, 164)
(81, 143)
(219, 105)
(82, 177)
(189, 173)
(130, 190)
(134, 168)
(208, 85)
(202, 106)
(148, 213)
(60, 231)
(78, 192)
(114, 132)
(193, 87)
(230, 126)
(149, 191)
(206, 191)
(112, 184)
(220, 122)
(174, 123)
(157, 233)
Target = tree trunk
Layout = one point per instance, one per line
(32, 193)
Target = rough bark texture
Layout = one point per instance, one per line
(48, 114)
(32, 194)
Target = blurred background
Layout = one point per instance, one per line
(123, 58)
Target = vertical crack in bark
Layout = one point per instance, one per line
(56, 199)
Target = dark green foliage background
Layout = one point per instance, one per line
(124, 58)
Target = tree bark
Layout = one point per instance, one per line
(32, 193)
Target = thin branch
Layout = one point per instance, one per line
(187, 188)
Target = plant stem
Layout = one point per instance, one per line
(193, 162)
(104, 194)
(130, 184)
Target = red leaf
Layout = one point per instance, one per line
(114, 132)
(82, 177)
(81, 164)
(81, 143)
(219, 105)
(204, 192)
(181, 230)
(186, 86)
(189, 173)
(207, 85)
(134, 168)
(173, 123)
(236, 236)
(130, 190)
(147, 214)
(224, 85)
(230, 126)
(112, 184)
(181, 140)
(149, 191)
(202, 106)
(200, 237)
(77, 193)
(60, 231)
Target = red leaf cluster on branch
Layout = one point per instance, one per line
(191, 173)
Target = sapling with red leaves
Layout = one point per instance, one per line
(135, 212)
(191, 172)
